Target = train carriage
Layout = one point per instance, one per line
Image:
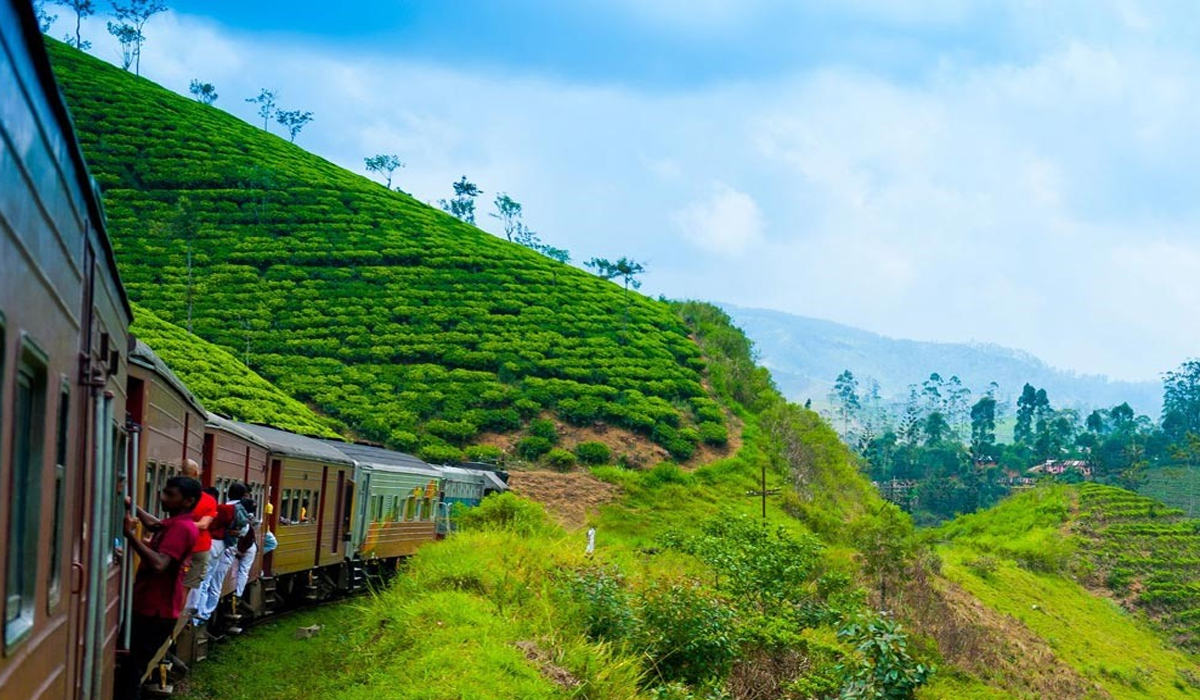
(169, 424)
(397, 508)
(311, 489)
(63, 363)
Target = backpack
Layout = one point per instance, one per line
(241, 518)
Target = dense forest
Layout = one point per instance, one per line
(939, 453)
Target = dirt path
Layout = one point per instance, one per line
(570, 498)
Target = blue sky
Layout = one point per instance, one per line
(1008, 171)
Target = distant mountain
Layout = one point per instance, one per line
(805, 355)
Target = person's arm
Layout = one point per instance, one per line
(203, 523)
(149, 521)
(156, 560)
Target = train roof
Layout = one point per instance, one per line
(23, 39)
(144, 356)
(288, 444)
(224, 424)
(379, 457)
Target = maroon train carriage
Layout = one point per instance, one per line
(233, 454)
(311, 493)
(63, 363)
(169, 426)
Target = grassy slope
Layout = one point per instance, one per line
(1021, 561)
(222, 383)
(381, 311)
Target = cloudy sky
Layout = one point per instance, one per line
(1020, 172)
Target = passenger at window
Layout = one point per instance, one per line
(158, 591)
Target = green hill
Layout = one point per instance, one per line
(222, 383)
(408, 325)
(1051, 568)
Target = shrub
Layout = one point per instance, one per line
(455, 432)
(714, 434)
(607, 605)
(533, 447)
(484, 453)
(544, 429)
(507, 511)
(592, 452)
(666, 473)
(527, 407)
(561, 459)
(438, 453)
(688, 634)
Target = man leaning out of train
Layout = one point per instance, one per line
(158, 592)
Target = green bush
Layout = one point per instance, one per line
(607, 604)
(438, 453)
(688, 634)
(714, 434)
(592, 452)
(489, 454)
(560, 459)
(544, 429)
(533, 447)
(507, 511)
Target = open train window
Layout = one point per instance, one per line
(285, 502)
(60, 492)
(25, 489)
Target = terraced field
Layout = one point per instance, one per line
(1148, 554)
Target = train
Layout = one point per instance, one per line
(92, 421)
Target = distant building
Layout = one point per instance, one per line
(1058, 467)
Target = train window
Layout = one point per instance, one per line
(60, 492)
(29, 419)
(285, 501)
(403, 506)
(315, 511)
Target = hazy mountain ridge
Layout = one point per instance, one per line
(806, 354)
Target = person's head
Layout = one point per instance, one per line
(212, 491)
(249, 505)
(237, 491)
(191, 468)
(180, 495)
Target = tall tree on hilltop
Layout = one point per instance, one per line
(983, 428)
(462, 206)
(203, 92)
(845, 397)
(1023, 430)
(1181, 401)
(127, 37)
(82, 9)
(135, 14)
(266, 105)
(508, 211)
(293, 120)
(958, 402)
(624, 268)
(931, 392)
(910, 423)
(385, 165)
(45, 20)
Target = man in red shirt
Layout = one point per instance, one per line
(203, 514)
(158, 587)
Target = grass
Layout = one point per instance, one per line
(1092, 634)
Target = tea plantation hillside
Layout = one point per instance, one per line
(222, 383)
(411, 327)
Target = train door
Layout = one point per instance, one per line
(272, 520)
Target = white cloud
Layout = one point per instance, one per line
(728, 221)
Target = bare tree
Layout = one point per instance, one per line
(127, 36)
